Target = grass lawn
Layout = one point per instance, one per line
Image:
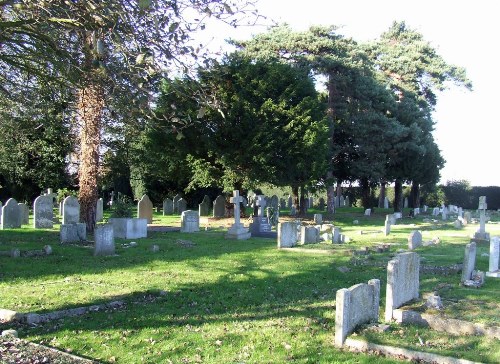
(228, 301)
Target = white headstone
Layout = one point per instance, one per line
(287, 234)
(368, 212)
(309, 235)
(414, 240)
(494, 257)
(190, 221)
(71, 210)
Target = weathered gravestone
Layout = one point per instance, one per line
(494, 257)
(416, 211)
(168, 207)
(175, 201)
(71, 210)
(318, 219)
(260, 224)
(287, 234)
(387, 224)
(356, 305)
(336, 236)
(104, 240)
(219, 206)
(444, 213)
(347, 203)
(403, 282)
(190, 221)
(43, 213)
(309, 235)
(289, 202)
(181, 205)
(204, 206)
(414, 240)
(145, 209)
(368, 212)
(237, 230)
(99, 211)
(25, 213)
(341, 201)
(469, 262)
(11, 215)
(73, 233)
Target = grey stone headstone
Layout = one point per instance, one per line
(145, 209)
(347, 203)
(386, 203)
(318, 219)
(190, 221)
(341, 201)
(25, 213)
(469, 261)
(494, 257)
(175, 202)
(356, 305)
(104, 240)
(204, 206)
(181, 205)
(287, 234)
(387, 224)
(403, 281)
(414, 240)
(71, 210)
(309, 235)
(43, 213)
(11, 215)
(168, 207)
(368, 212)
(219, 206)
(73, 233)
(336, 236)
(99, 211)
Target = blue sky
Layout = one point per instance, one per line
(463, 33)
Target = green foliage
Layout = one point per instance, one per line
(122, 207)
(458, 193)
(62, 193)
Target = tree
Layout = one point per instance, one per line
(100, 49)
(265, 123)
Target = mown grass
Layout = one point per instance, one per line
(228, 301)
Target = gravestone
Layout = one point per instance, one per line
(237, 230)
(435, 211)
(129, 228)
(43, 213)
(355, 306)
(416, 211)
(368, 212)
(426, 208)
(73, 232)
(168, 207)
(386, 203)
(104, 240)
(414, 240)
(321, 204)
(336, 236)
(318, 219)
(341, 201)
(494, 257)
(397, 215)
(145, 209)
(204, 206)
(175, 204)
(469, 261)
(309, 235)
(99, 211)
(71, 210)
(11, 215)
(219, 206)
(287, 234)
(444, 213)
(387, 224)
(181, 205)
(289, 203)
(402, 282)
(260, 223)
(25, 213)
(347, 203)
(190, 221)
(467, 217)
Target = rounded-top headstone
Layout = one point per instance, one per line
(11, 215)
(71, 210)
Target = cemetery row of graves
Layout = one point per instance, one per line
(179, 285)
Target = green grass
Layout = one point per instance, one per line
(227, 301)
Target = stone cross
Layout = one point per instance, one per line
(236, 200)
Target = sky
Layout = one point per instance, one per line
(467, 128)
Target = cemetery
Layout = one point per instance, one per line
(280, 202)
(194, 293)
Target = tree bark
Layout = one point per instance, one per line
(414, 195)
(365, 193)
(398, 194)
(90, 107)
(381, 197)
(302, 211)
(295, 197)
(330, 194)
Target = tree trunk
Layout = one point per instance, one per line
(90, 106)
(295, 197)
(365, 193)
(381, 197)
(414, 195)
(302, 211)
(398, 194)
(330, 194)
(338, 193)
